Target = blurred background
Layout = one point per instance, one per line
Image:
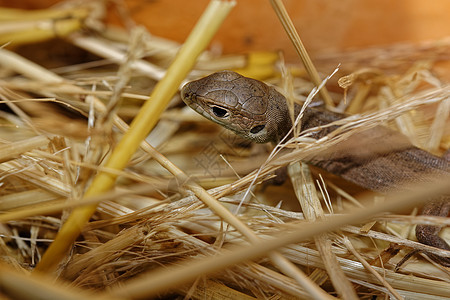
(324, 25)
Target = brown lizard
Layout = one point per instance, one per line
(260, 113)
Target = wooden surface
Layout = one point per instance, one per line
(323, 24)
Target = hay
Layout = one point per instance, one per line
(60, 123)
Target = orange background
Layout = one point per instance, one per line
(323, 24)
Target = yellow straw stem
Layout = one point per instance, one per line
(22, 26)
(197, 41)
(13, 14)
(29, 32)
(289, 27)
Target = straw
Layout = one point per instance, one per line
(148, 116)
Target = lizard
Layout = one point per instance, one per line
(259, 113)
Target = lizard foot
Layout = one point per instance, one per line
(428, 234)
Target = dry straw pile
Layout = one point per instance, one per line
(184, 213)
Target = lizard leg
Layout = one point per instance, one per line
(429, 234)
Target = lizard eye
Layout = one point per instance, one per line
(220, 112)
(257, 129)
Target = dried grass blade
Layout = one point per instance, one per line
(18, 285)
(59, 206)
(307, 195)
(152, 283)
(12, 150)
(289, 27)
(371, 270)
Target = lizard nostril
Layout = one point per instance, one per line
(185, 94)
(219, 112)
(257, 129)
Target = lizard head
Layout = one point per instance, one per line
(238, 103)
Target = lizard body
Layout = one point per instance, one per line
(260, 113)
